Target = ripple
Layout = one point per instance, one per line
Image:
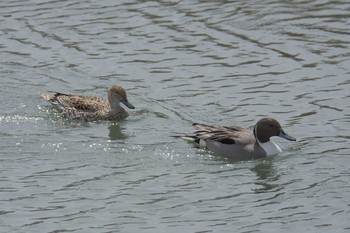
(219, 62)
(18, 119)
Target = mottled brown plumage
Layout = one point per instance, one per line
(91, 108)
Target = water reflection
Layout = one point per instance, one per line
(265, 173)
(115, 132)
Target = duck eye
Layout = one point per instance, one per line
(271, 126)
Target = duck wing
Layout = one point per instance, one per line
(77, 102)
(222, 134)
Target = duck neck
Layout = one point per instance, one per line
(115, 106)
(268, 146)
(260, 137)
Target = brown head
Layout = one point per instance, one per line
(117, 94)
(269, 127)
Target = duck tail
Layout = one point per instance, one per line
(54, 100)
(45, 96)
(191, 138)
(188, 137)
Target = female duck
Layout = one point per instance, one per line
(91, 108)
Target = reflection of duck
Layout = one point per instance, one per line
(91, 108)
(240, 143)
(263, 169)
(115, 132)
(265, 176)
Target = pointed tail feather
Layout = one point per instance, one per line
(45, 96)
(53, 100)
(191, 138)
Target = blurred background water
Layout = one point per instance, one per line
(217, 62)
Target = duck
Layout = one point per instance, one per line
(91, 108)
(234, 142)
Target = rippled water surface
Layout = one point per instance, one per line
(218, 62)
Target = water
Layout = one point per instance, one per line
(222, 62)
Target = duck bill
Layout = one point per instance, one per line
(286, 136)
(127, 104)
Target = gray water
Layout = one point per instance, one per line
(216, 62)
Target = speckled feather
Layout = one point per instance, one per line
(91, 108)
(83, 103)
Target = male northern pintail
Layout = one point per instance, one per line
(240, 143)
(91, 108)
